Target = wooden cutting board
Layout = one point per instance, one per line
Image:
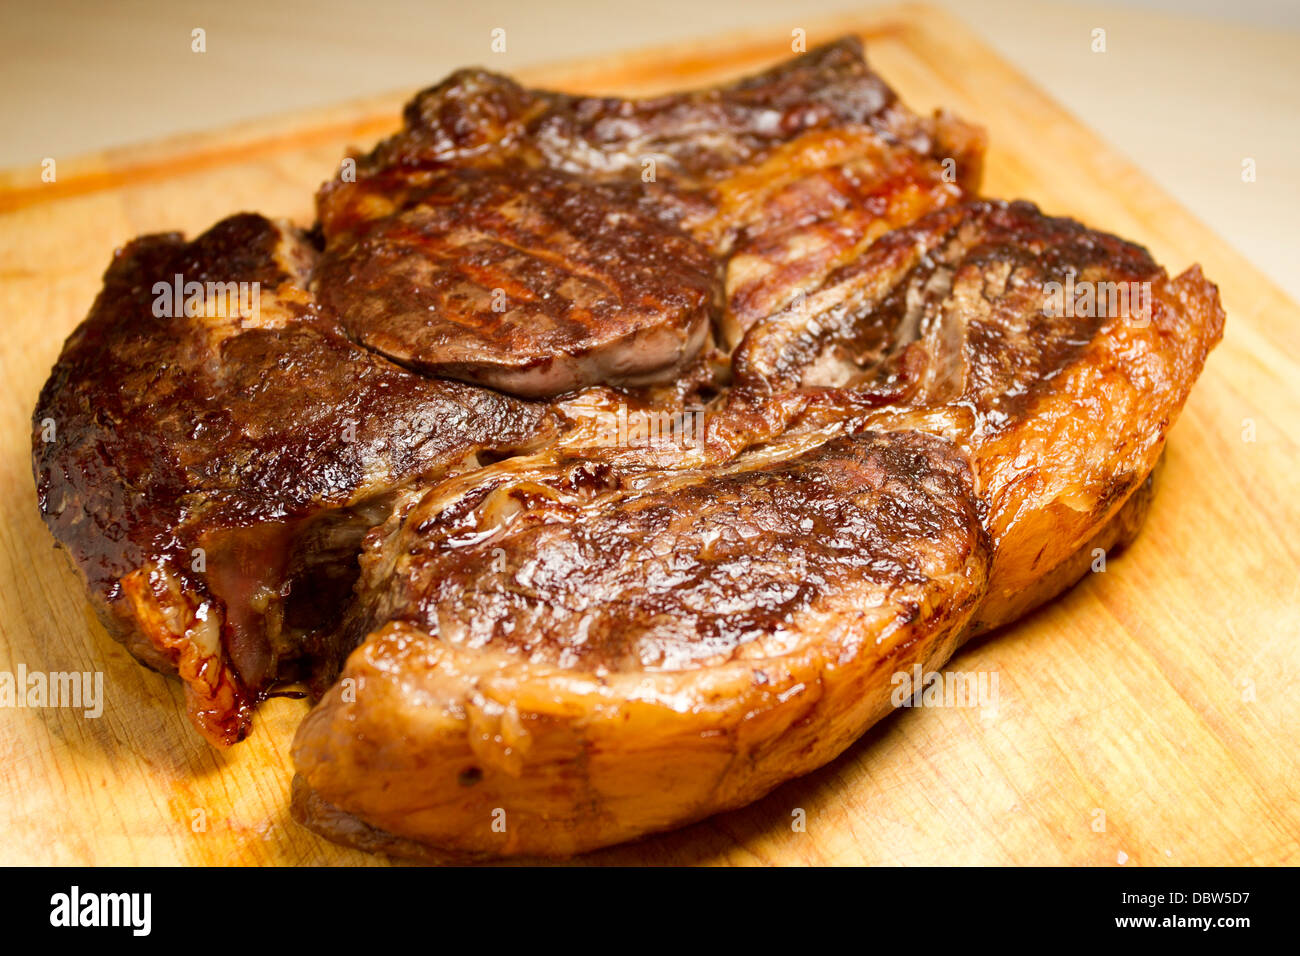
(1148, 717)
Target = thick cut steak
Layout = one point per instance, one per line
(601, 661)
(602, 461)
(537, 242)
(1057, 356)
(212, 474)
(931, 446)
(531, 281)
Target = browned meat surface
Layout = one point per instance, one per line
(608, 647)
(812, 206)
(267, 439)
(697, 139)
(579, 566)
(605, 661)
(538, 243)
(1064, 414)
(531, 281)
(625, 449)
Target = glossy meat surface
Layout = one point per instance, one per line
(1055, 355)
(537, 242)
(531, 281)
(591, 634)
(600, 461)
(635, 659)
(581, 567)
(238, 434)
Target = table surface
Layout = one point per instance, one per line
(1186, 99)
(1147, 717)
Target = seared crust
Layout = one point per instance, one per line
(610, 722)
(581, 567)
(531, 281)
(959, 324)
(812, 206)
(969, 286)
(479, 118)
(907, 417)
(240, 434)
(498, 594)
(312, 810)
(538, 242)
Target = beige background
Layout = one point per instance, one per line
(1186, 98)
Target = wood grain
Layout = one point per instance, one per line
(1149, 717)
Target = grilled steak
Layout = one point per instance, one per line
(212, 474)
(532, 281)
(537, 242)
(600, 461)
(1057, 356)
(603, 661)
(611, 650)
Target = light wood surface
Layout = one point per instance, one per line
(82, 76)
(1159, 698)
